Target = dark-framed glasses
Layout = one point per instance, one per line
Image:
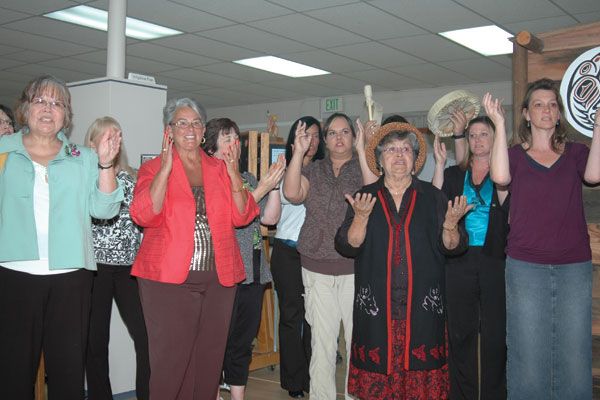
(184, 124)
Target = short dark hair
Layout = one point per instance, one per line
(214, 128)
(8, 113)
(398, 135)
(35, 88)
(394, 118)
(309, 121)
(333, 116)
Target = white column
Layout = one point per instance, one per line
(115, 57)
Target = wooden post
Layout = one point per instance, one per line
(519, 84)
(40, 382)
(529, 41)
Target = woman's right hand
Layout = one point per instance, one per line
(166, 154)
(302, 139)
(362, 204)
(493, 109)
(439, 152)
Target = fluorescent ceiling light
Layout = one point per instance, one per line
(487, 40)
(97, 19)
(280, 66)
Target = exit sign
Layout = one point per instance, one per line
(331, 105)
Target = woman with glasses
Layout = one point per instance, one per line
(7, 120)
(328, 277)
(189, 262)
(399, 230)
(50, 189)
(475, 280)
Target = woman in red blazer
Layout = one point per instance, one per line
(189, 262)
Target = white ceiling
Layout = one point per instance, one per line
(391, 44)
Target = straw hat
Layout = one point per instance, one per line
(440, 112)
(386, 130)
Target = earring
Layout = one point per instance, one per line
(558, 123)
(528, 124)
(203, 140)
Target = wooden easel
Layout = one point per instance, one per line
(264, 353)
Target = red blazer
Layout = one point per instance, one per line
(168, 243)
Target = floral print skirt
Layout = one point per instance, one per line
(400, 384)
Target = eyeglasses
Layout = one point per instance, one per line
(343, 132)
(52, 104)
(6, 122)
(184, 124)
(397, 150)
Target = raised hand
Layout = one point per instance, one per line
(439, 151)
(456, 211)
(166, 154)
(493, 109)
(302, 139)
(364, 133)
(231, 156)
(109, 146)
(362, 204)
(459, 120)
(274, 175)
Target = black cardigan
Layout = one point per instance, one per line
(497, 232)
(425, 328)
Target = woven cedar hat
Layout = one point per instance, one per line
(440, 112)
(386, 130)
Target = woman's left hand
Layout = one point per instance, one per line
(362, 204)
(109, 146)
(231, 155)
(274, 175)
(456, 211)
(364, 133)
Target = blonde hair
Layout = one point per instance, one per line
(98, 127)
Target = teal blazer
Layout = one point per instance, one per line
(74, 200)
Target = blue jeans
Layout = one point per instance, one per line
(549, 330)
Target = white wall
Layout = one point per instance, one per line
(138, 108)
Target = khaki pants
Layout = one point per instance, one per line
(328, 300)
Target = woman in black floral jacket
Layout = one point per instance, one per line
(116, 242)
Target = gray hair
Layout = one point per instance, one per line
(397, 135)
(175, 104)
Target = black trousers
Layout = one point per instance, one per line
(48, 312)
(245, 321)
(476, 304)
(115, 281)
(294, 331)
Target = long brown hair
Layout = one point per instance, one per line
(559, 137)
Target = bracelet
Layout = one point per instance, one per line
(449, 229)
(238, 190)
(461, 136)
(100, 166)
(276, 188)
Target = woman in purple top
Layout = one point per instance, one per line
(548, 266)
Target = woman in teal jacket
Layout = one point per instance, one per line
(49, 191)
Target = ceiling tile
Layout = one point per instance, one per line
(30, 56)
(301, 86)
(5, 49)
(480, 69)
(386, 80)
(375, 54)
(62, 31)
(201, 45)
(341, 84)
(441, 15)
(168, 55)
(504, 59)
(239, 72)
(145, 66)
(541, 25)
(176, 16)
(327, 61)
(71, 64)
(231, 95)
(7, 15)
(248, 10)
(255, 39)
(40, 43)
(579, 6)
(306, 5)
(308, 30)
(8, 63)
(352, 17)
(588, 17)
(431, 48)
(433, 74)
(33, 70)
(202, 77)
(36, 7)
(267, 91)
(507, 11)
(173, 83)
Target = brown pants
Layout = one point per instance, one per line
(187, 332)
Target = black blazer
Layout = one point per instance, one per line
(497, 232)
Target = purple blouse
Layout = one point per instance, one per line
(547, 223)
